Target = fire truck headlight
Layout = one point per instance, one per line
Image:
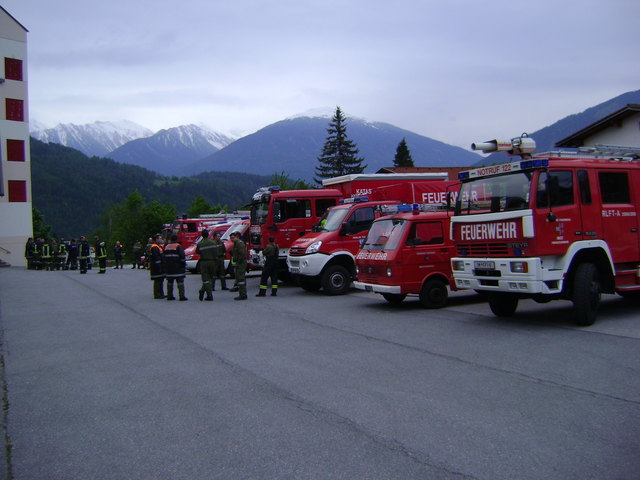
(389, 272)
(314, 247)
(457, 265)
(519, 267)
(189, 257)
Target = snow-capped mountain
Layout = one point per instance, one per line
(98, 138)
(168, 151)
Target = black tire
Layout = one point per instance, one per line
(394, 298)
(309, 284)
(434, 294)
(336, 280)
(586, 294)
(503, 304)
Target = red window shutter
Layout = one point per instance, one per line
(15, 109)
(17, 191)
(15, 151)
(13, 69)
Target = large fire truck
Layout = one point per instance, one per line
(559, 225)
(326, 258)
(290, 214)
(408, 252)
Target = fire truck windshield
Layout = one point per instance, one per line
(385, 234)
(495, 194)
(259, 212)
(335, 217)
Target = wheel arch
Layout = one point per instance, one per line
(601, 258)
(344, 259)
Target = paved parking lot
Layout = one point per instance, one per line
(102, 381)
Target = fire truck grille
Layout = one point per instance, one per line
(371, 273)
(483, 249)
(297, 251)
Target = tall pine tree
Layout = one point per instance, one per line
(403, 155)
(339, 154)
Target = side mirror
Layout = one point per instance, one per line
(344, 229)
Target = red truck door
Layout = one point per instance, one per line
(426, 251)
(356, 227)
(619, 215)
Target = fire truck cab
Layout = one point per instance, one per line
(408, 253)
(326, 258)
(558, 225)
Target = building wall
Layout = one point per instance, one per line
(625, 133)
(15, 216)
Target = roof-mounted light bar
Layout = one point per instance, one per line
(503, 168)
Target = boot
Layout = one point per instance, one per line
(241, 297)
(209, 298)
(274, 292)
(262, 292)
(183, 298)
(181, 292)
(201, 295)
(170, 292)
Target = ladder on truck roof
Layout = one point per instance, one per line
(619, 152)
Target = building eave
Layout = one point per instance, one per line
(577, 139)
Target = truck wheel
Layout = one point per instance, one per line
(434, 294)
(336, 280)
(586, 294)
(309, 284)
(503, 304)
(394, 298)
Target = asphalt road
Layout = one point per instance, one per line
(103, 382)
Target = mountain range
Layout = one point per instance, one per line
(291, 145)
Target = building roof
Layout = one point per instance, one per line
(577, 139)
(13, 18)
(452, 172)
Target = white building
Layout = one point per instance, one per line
(621, 128)
(15, 172)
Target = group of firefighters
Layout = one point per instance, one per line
(165, 261)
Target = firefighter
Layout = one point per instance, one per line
(72, 256)
(45, 255)
(156, 268)
(270, 269)
(100, 247)
(239, 258)
(137, 255)
(219, 268)
(84, 250)
(29, 253)
(118, 252)
(55, 254)
(174, 263)
(208, 252)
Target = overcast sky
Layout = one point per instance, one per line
(457, 71)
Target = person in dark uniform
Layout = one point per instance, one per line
(100, 247)
(208, 252)
(45, 254)
(175, 267)
(137, 254)
(62, 255)
(29, 252)
(239, 258)
(270, 269)
(118, 251)
(83, 254)
(72, 255)
(156, 267)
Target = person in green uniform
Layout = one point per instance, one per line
(270, 269)
(83, 254)
(100, 247)
(219, 269)
(239, 258)
(156, 267)
(208, 252)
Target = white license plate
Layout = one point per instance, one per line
(368, 288)
(484, 265)
(294, 269)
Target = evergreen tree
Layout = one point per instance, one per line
(403, 155)
(339, 154)
(40, 229)
(286, 183)
(198, 207)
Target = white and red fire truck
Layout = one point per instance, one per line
(188, 229)
(288, 215)
(408, 252)
(326, 258)
(558, 225)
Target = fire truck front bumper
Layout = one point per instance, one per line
(308, 265)
(374, 287)
(517, 275)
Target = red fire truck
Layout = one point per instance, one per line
(326, 258)
(192, 256)
(288, 215)
(188, 229)
(408, 253)
(558, 225)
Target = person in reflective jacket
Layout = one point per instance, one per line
(174, 265)
(156, 267)
(83, 254)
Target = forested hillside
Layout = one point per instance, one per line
(72, 190)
